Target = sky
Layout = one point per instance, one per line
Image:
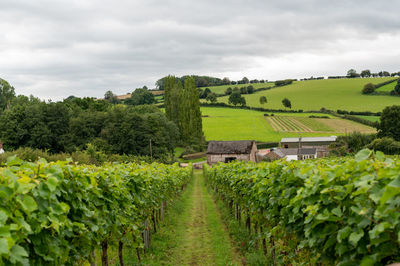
(54, 48)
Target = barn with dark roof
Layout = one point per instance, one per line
(227, 151)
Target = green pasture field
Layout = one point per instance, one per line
(314, 124)
(222, 89)
(333, 94)
(370, 118)
(240, 124)
(388, 87)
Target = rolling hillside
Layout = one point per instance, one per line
(344, 94)
(240, 124)
(222, 89)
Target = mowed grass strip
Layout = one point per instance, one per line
(287, 122)
(346, 126)
(282, 125)
(333, 94)
(303, 127)
(314, 124)
(273, 123)
(193, 233)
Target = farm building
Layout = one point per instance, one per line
(321, 144)
(227, 151)
(309, 142)
(291, 154)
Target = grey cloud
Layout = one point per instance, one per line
(53, 49)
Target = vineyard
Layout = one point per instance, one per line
(60, 213)
(334, 211)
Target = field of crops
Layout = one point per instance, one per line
(60, 213)
(240, 124)
(339, 211)
(297, 124)
(333, 94)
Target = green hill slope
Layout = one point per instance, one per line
(344, 94)
(222, 89)
(240, 124)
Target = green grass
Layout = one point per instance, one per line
(240, 124)
(333, 94)
(222, 89)
(314, 124)
(369, 118)
(193, 233)
(388, 87)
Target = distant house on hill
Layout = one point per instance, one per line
(227, 151)
(291, 154)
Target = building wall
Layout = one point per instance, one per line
(215, 158)
(253, 153)
(291, 157)
(306, 144)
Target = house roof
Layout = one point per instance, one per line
(230, 147)
(304, 151)
(310, 139)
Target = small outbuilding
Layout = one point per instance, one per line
(291, 154)
(227, 151)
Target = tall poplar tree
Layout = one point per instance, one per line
(182, 106)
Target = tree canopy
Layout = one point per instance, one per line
(141, 96)
(7, 93)
(77, 122)
(390, 123)
(263, 99)
(237, 99)
(286, 103)
(182, 106)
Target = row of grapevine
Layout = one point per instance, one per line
(345, 211)
(59, 213)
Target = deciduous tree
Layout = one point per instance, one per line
(263, 100)
(236, 99)
(390, 123)
(286, 103)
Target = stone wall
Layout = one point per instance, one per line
(215, 158)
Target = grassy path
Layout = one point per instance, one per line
(195, 233)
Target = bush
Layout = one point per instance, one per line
(368, 88)
(351, 143)
(385, 145)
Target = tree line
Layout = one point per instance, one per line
(205, 81)
(75, 123)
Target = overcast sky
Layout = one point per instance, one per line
(56, 48)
